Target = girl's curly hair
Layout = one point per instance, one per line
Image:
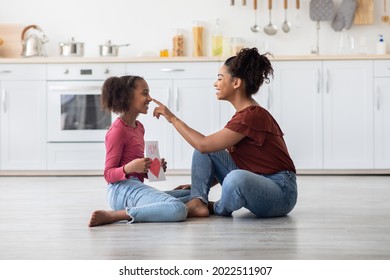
(251, 67)
(117, 93)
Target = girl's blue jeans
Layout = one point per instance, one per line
(264, 195)
(144, 203)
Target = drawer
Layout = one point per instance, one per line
(22, 72)
(174, 70)
(382, 68)
(76, 156)
(84, 72)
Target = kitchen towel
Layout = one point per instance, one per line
(344, 15)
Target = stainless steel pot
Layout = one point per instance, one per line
(109, 49)
(71, 48)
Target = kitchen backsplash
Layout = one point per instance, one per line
(150, 25)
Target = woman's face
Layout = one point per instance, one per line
(224, 84)
(141, 98)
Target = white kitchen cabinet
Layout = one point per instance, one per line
(298, 109)
(76, 156)
(187, 89)
(348, 115)
(22, 117)
(382, 114)
(326, 112)
(194, 103)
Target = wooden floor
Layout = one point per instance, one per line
(337, 217)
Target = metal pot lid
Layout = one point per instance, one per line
(71, 41)
(108, 44)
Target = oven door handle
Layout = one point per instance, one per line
(75, 88)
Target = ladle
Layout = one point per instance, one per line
(270, 29)
(286, 26)
(255, 28)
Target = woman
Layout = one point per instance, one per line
(248, 157)
(126, 167)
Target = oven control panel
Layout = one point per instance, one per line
(84, 72)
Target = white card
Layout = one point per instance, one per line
(156, 172)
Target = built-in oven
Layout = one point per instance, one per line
(74, 112)
(76, 123)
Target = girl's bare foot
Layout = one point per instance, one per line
(103, 217)
(196, 208)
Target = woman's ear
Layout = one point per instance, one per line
(237, 83)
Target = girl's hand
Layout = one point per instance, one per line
(163, 164)
(162, 110)
(139, 165)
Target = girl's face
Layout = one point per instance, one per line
(224, 84)
(141, 98)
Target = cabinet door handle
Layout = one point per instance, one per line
(378, 98)
(327, 80)
(318, 80)
(172, 70)
(6, 72)
(4, 100)
(177, 99)
(168, 97)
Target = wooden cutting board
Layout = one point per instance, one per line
(12, 45)
(364, 13)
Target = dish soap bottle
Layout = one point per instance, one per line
(217, 41)
(381, 46)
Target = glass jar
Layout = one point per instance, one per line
(178, 43)
(236, 44)
(197, 34)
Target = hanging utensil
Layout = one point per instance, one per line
(270, 29)
(286, 26)
(231, 2)
(244, 2)
(385, 18)
(297, 22)
(320, 10)
(255, 28)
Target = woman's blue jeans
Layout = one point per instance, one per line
(146, 204)
(264, 195)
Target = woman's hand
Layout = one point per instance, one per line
(183, 187)
(139, 165)
(162, 110)
(163, 164)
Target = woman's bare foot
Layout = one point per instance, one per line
(103, 217)
(196, 208)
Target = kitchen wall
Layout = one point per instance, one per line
(148, 24)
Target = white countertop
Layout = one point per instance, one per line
(59, 59)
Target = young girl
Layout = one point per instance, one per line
(248, 157)
(126, 167)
